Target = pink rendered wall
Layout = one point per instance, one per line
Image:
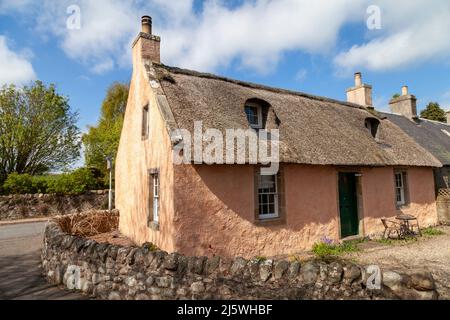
(135, 157)
(422, 196)
(378, 198)
(214, 208)
(216, 215)
(378, 186)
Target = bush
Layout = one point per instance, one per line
(40, 184)
(327, 248)
(75, 182)
(18, 184)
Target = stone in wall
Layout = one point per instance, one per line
(20, 206)
(113, 272)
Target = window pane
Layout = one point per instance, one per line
(252, 115)
(267, 193)
(400, 188)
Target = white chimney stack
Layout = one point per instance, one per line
(406, 104)
(361, 93)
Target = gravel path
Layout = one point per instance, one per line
(430, 254)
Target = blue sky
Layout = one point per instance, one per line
(309, 46)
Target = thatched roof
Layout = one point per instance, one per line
(313, 130)
(431, 135)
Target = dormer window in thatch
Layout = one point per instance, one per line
(372, 125)
(260, 114)
(254, 115)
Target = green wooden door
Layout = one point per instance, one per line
(348, 204)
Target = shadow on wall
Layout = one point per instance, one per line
(221, 220)
(216, 216)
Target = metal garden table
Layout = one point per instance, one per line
(406, 228)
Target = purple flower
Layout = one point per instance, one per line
(327, 240)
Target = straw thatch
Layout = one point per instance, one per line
(313, 130)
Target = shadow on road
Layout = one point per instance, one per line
(21, 278)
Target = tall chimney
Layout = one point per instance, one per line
(147, 45)
(361, 93)
(406, 104)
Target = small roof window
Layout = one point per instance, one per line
(372, 125)
(254, 115)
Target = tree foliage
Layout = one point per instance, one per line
(103, 139)
(75, 182)
(433, 112)
(38, 131)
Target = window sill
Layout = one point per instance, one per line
(402, 206)
(154, 225)
(270, 222)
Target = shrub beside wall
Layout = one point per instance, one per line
(20, 206)
(116, 272)
(75, 182)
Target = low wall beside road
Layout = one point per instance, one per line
(107, 271)
(21, 206)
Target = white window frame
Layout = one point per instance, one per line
(400, 188)
(258, 114)
(155, 191)
(275, 214)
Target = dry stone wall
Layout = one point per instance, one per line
(108, 271)
(20, 206)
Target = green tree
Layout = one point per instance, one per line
(103, 139)
(38, 131)
(433, 112)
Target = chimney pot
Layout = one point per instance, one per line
(147, 24)
(358, 79)
(404, 90)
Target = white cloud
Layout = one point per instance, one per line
(15, 67)
(102, 67)
(255, 34)
(412, 32)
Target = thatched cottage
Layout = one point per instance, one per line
(342, 166)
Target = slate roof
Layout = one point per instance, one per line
(431, 135)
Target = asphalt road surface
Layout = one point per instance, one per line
(20, 272)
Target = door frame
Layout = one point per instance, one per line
(359, 201)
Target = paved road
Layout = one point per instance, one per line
(20, 273)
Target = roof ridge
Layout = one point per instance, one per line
(420, 118)
(258, 86)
